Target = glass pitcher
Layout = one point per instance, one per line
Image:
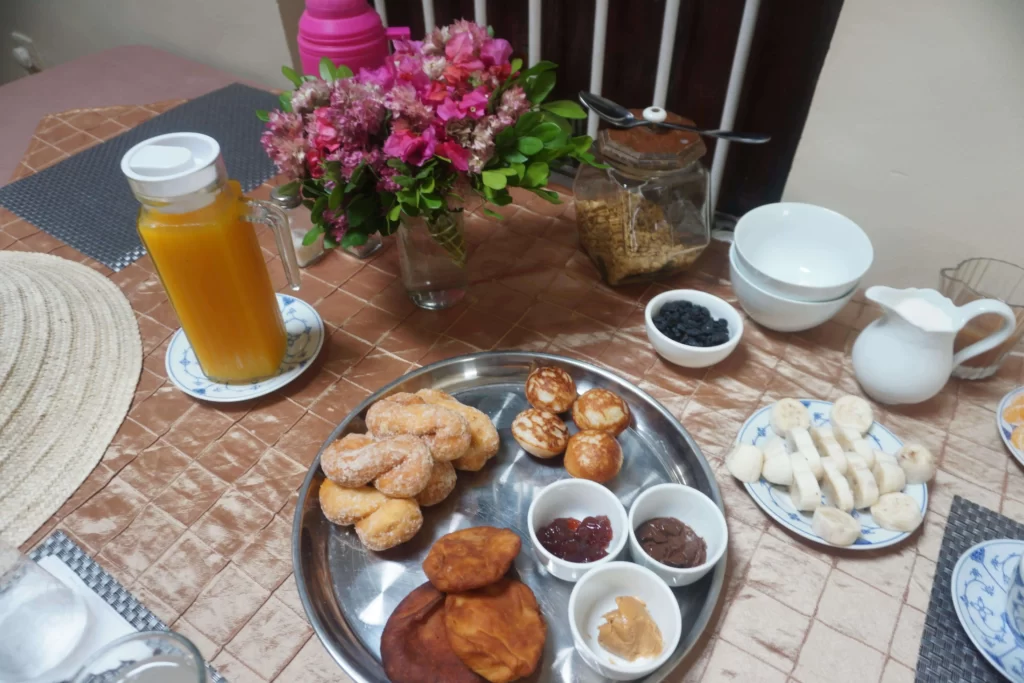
(195, 224)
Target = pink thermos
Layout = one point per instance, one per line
(349, 32)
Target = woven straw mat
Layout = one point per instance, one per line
(70, 357)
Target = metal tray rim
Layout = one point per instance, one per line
(358, 675)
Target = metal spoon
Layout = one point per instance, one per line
(619, 116)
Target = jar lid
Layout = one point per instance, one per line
(172, 165)
(285, 201)
(651, 148)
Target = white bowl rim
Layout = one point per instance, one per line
(735, 329)
(614, 548)
(753, 285)
(756, 212)
(710, 562)
(644, 665)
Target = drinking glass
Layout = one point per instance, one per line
(41, 619)
(985, 278)
(145, 657)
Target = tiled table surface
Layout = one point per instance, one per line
(191, 507)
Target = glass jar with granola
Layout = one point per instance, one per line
(648, 214)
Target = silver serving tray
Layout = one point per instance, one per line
(349, 593)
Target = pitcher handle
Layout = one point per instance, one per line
(277, 220)
(973, 310)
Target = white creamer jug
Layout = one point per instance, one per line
(906, 356)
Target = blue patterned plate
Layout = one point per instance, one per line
(775, 499)
(1006, 428)
(980, 580)
(305, 337)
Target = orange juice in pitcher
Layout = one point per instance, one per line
(197, 227)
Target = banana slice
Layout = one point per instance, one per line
(855, 462)
(835, 526)
(798, 463)
(778, 469)
(835, 487)
(804, 491)
(852, 412)
(917, 462)
(827, 446)
(865, 451)
(847, 437)
(896, 512)
(799, 441)
(889, 477)
(863, 486)
(789, 413)
(745, 463)
(880, 458)
(774, 445)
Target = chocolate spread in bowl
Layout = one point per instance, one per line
(672, 543)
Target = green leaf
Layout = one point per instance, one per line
(516, 65)
(494, 180)
(326, 69)
(506, 136)
(397, 163)
(360, 209)
(432, 202)
(501, 198)
(515, 158)
(289, 189)
(581, 143)
(395, 211)
(540, 67)
(520, 170)
(404, 180)
(507, 171)
(353, 238)
(334, 201)
(546, 131)
(329, 241)
(565, 108)
(342, 71)
(529, 145)
(285, 100)
(291, 75)
(357, 175)
(428, 186)
(540, 87)
(317, 213)
(312, 234)
(494, 214)
(536, 174)
(527, 121)
(547, 194)
(263, 115)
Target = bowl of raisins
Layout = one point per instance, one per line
(691, 328)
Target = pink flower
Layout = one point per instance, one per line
(310, 95)
(404, 103)
(473, 105)
(495, 51)
(462, 57)
(409, 69)
(411, 148)
(457, 154)
(322, 131)
(284, 143)
(382, 76)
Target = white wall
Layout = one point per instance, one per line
(916, 132)
(244, 37)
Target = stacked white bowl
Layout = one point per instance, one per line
(794, 266)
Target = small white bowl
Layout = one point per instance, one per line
(801, 251)
(690, 507)
(683, 354)
(594, 596)
(776, 312)
(576, 498)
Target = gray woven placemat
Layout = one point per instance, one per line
(105, 586)
(946, 653)
(85, 201)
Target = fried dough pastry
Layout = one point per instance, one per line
(414, 645)
(601, 410)
(593, 455)
(483, 443)
(445, 431)
(540, 433)
(442, 483)
(381, 522)
(497, 630)
(550, 389)
(471, 558)
(399, 467)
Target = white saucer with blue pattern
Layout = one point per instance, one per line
(305, 338)
(981, 578)
(1005, 428)
(775, 499)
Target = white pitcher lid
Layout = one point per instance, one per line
(171, 165)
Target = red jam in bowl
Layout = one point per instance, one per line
(573, 540)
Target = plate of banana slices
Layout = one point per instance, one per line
(830, 473)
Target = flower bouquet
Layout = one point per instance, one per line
(452, 113)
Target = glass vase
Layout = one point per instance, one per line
(432, 256)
